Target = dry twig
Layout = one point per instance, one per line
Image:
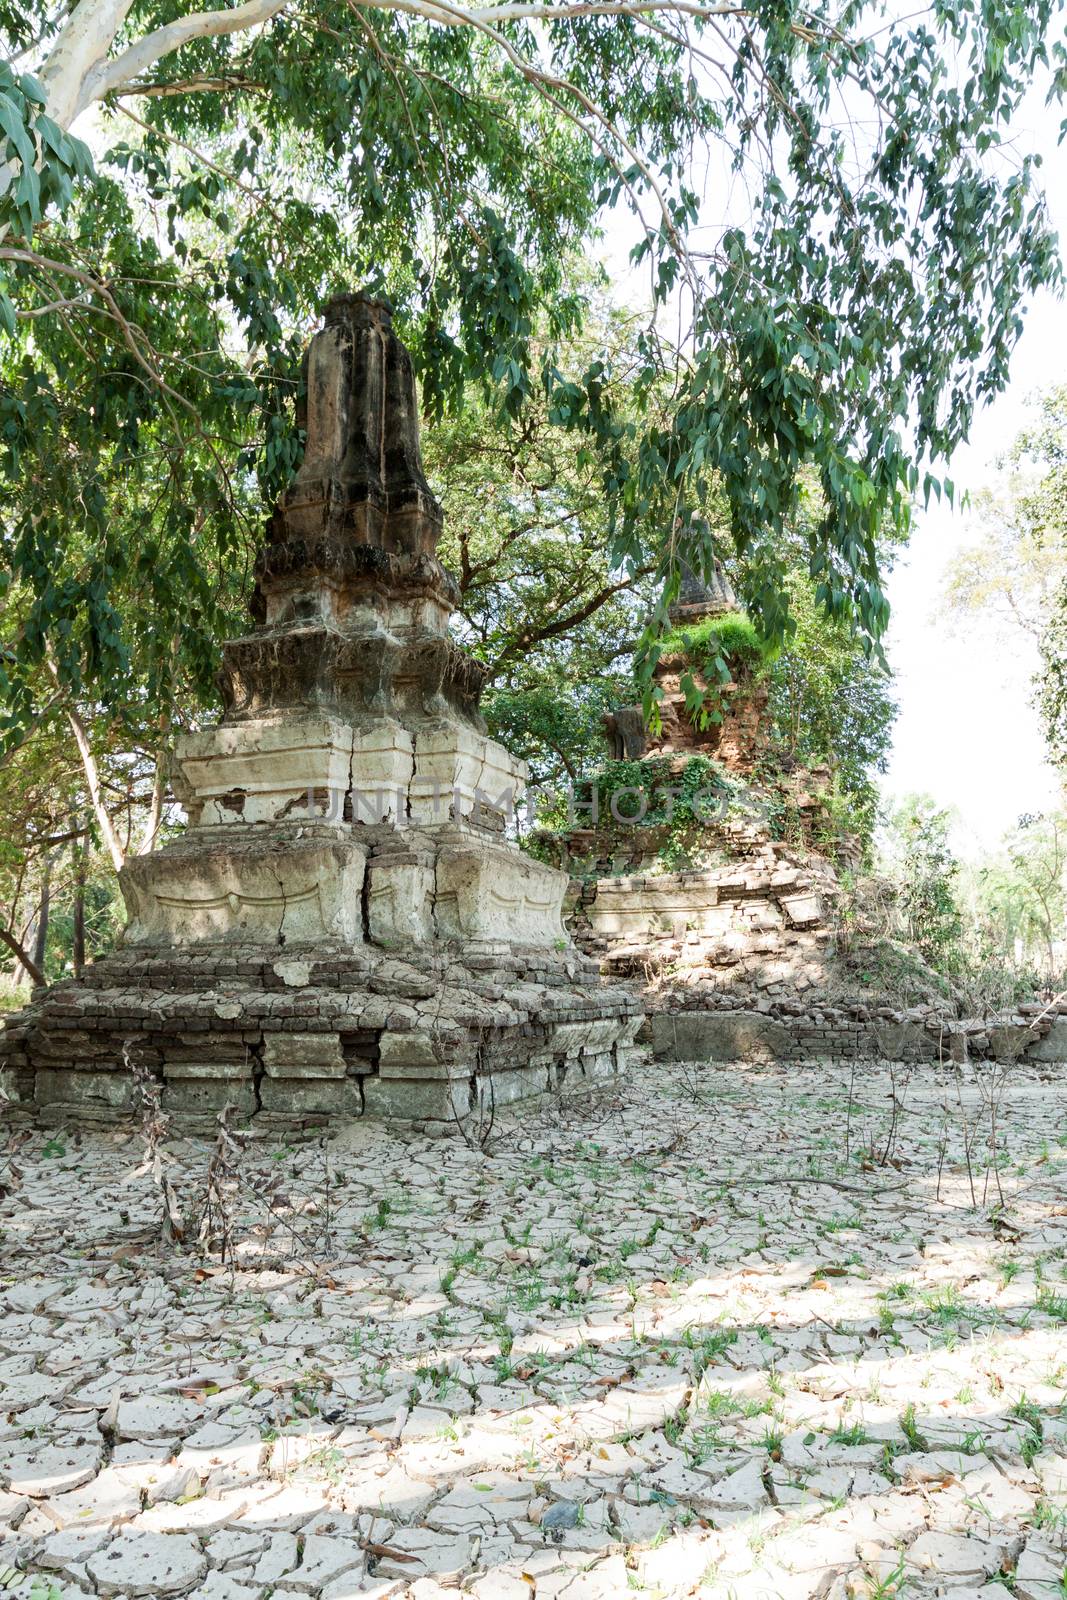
(155, 1124)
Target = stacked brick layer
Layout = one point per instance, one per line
(293, 1039)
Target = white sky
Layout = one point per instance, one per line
(967, 734)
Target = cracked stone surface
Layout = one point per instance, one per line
(726, 1332)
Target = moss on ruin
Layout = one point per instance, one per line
(731, 639)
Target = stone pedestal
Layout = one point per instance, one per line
(293, 1037)
(346, 927)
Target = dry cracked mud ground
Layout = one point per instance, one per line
(707, 1336)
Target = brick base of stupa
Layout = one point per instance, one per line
(309, 1036)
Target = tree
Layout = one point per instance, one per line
(57, 886)
(925, 873)
(248, 158)
(1018, 895)
(527, 536)
(1012, 574)
(1047, 505)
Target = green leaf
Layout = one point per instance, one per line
(11, 123)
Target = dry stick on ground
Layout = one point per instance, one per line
(740, 1179)
(215, 1225)
(899, 1101)
(309, 1247)
(327, 1231)
(154, 1127)
(993, 1090)
(942, 1151)
(991, 1095)
(304, 1257)
(900, 1076)
(992, 1087)
(477, 1127)
(968, 1135)
(786, 1180)
(216, 1231)
(215, 1228)
(994, 1106)
(848, 1113)
(578, 1110)
(263, 1193)
(10, 1175)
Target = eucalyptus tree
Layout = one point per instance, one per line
(842, 318)
(921, 865)
(527, 533)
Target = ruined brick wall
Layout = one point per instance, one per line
(737, 741)
(741, 961)
(856, 1032)
(758, 928)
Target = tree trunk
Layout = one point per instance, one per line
(40, 942)
(78, 855)
(80, 49)
(159, 789)
(83, 44)
(96, 794)
(79, 68)
(92, 772)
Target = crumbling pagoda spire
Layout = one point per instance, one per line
(736, 737)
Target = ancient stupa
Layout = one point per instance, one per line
(346, 926)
